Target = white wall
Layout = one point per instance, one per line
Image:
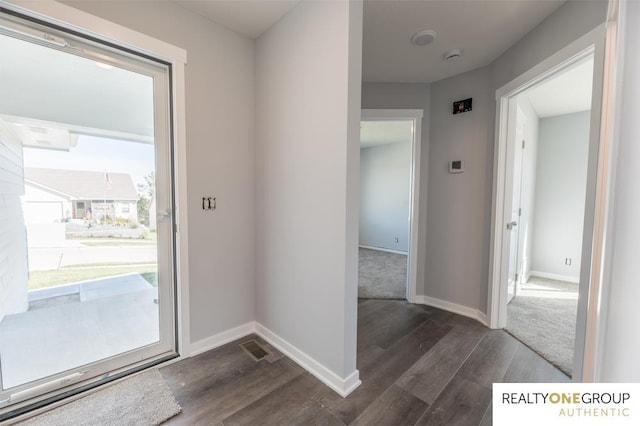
(570, 21)
(408, 96)
(459, 204)
(620, 348)
(561, 177)
(220, 101)
(525, 236)
(13, 238)
(384, 195)
(457, 265)
(308, 94)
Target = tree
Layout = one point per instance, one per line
(146, 191)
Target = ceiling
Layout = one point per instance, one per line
(482, 29)
(564, 93)
(33, 74)
(376, 133)
(247, 17)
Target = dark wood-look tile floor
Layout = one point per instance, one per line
(418, 365)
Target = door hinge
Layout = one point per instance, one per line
(520, 211)
(522, 143)
(516, 277)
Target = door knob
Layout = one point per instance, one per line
(511, 225)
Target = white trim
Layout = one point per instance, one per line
(182, 207)
(414, 216)
(453, 307)
(74, 19)
(386, 250)
(582, 47)
(223, 338)
(557, 277)
(85, 23)
(599, 291)
(342, 386)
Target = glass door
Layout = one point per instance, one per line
(87, 288)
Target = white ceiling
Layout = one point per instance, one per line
(376, 133)
(482, 29)
(564, 93)
(247, 17)
(32, 75)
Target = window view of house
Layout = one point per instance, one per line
(86, 212)
(78, 192)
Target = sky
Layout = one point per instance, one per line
(97, 154)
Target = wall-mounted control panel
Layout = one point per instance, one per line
(464, 105)
(208, 203)
(456, 166)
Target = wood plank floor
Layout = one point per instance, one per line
(418, 365)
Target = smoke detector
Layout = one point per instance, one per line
(452, 55)
(422, 38)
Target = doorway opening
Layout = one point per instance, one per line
(87, 253)
(389, 176)
(546, 163)
(551, 140)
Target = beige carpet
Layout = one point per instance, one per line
(543, 317)
(382, 275)
(141, 400)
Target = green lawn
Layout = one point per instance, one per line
(67, 275)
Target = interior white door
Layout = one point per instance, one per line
(515, 262)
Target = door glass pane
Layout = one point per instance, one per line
(80, 153)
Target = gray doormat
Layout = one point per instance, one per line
(142, 400)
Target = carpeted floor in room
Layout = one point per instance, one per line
(382, 275)
(543, 317)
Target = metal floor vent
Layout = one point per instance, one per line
(255, 350)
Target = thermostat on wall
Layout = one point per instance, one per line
(456, 166)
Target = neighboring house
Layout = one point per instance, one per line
(54, 195)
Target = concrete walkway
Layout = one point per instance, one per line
(116, 315)
(51, 258)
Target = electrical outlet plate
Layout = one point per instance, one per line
(456, 166)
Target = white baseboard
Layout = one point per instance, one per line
(453, 307)
(557, 277)
(342, 386)
(386, 250)
(221, 339)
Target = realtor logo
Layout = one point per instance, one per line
(566, 404)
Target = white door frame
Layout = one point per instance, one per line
(591, 43)
(414, 115)
(109, 32)
(100, 29)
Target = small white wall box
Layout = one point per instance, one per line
(456, 166)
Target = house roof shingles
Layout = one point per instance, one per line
(83, 184)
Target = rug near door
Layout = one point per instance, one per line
(142, 400)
